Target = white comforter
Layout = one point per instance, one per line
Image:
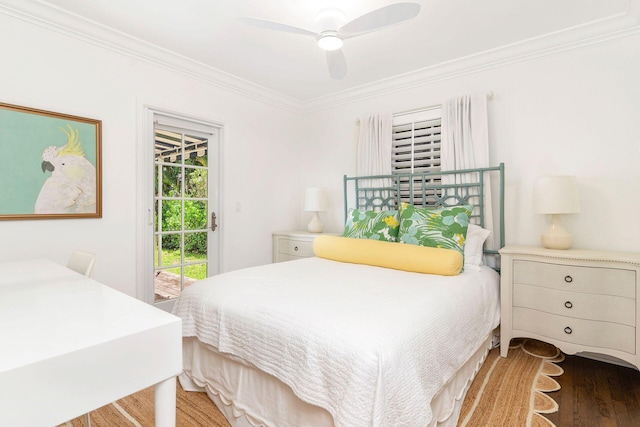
(371, 345)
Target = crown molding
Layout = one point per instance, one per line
(617, 26)
(45, 15)
(53, 18)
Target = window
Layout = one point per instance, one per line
(415, 148)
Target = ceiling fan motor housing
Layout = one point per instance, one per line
(330, 19)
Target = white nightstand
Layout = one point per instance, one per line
(289, 245)
(578, 300)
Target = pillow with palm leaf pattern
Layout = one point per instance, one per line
(376, 225)
(434, 227)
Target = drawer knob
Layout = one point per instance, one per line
(568, 279)
(295, 248)
(567, 330)
(568, 304)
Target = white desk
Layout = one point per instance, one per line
(69, 345)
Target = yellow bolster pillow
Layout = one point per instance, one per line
(399, 256)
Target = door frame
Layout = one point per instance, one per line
(145, 180)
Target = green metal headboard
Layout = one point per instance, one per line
(460, 187)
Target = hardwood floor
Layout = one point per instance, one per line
(596, 394)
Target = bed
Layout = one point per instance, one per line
(348, 338)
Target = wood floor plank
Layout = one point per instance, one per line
(596, 394)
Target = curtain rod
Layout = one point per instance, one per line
(489, 96)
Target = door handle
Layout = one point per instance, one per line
(214, 225)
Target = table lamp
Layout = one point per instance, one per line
(315, 200)
(556, 195)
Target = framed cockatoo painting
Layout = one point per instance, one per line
(50, 165)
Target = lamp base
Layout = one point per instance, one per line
(315, 225)
(556, 237)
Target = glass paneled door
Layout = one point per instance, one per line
(184, 209)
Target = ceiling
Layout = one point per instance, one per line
(291, 65)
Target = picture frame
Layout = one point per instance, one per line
(50, 165)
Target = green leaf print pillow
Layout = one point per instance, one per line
(380, 225)
(435, 227)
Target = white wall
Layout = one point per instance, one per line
(573, 112)
(47, 70)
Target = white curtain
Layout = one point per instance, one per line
(373, 149)
(465, 145)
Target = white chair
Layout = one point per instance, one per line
(82, 262)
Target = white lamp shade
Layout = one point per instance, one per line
(315, 200)
(556, 195)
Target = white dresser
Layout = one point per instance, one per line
(289, 245)
(578, 300)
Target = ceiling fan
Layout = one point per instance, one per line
(335, 30)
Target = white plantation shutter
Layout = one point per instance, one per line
(416, 146)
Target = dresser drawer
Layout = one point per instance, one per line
(596, 280)
(296, 248)
(288, 257)
(590, 333)
(290, 245)
(606, 308)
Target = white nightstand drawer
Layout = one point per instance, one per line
(287, 257)
(575, 304)
(290, 245)
(592, 333)
(296, 248)
(596, 280)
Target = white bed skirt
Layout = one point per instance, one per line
(249, 397)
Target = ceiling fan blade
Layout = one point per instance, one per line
(337, 64)
(262, 23)
(383, 17)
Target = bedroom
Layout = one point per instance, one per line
(570, 109)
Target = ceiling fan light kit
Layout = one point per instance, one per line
(329, 40)
(333, 34)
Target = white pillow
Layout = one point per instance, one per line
(473, 246)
